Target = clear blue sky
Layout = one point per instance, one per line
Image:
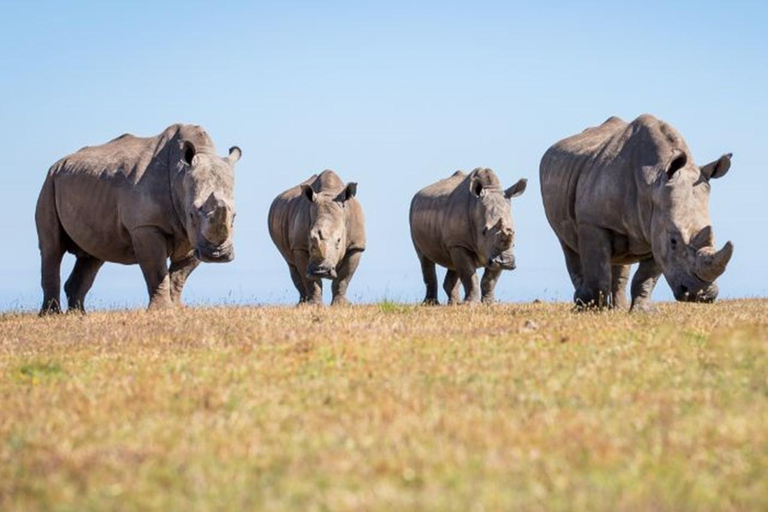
(392, 95)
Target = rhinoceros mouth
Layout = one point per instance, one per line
(502, 263)
(696, 291)
(321, 272)
(219, 254)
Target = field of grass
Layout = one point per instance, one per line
(386, 407)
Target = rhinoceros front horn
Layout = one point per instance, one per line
(712, 266)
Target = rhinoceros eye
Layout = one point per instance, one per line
(673, 243)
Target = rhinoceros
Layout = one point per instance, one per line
(462, 223)
(622, 193)
(136, 200)
(319, 229)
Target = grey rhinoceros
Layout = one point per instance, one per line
(464, 222)
(319, 229)
(622, 193)
(136, 200)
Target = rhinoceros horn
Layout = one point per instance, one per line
(712, 264)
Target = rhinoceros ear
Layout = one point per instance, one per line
(308, 192)
(718, 168)
(516, 189)
(188, 152)
(676, 162)
(476, 186)
(349, 192)
(234, 155)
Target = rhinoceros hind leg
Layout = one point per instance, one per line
(429, 275)
(80, 281)
(465, 268)
(179, 272)
(51, 282)
(573, 264)
(150, 247)
(451, 287)
(643, 283)
(595, 255)
(488, 285)
(619, 280)
(344, 273)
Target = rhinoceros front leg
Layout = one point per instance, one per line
(80, 281)
(430, 279)
(595, 255)
(313, 288)
(643, 283)
(451, 287)
(179, 272)
(150, 247)
(344, 274)
(619, 280)
(488, 285)
(298, 282)
(464, 264)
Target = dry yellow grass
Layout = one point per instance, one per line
(387, 407)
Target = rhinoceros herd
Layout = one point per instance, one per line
(616, 194)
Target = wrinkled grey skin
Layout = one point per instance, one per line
(319, 228)
(136, 200)
(462, 223)
(621, 193)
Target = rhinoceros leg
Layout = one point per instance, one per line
(643, 283)
(429, 274)
(595, 254)
(451, 287)
(151, 249)
(51, 236)
(488, 285)
(179, 272)
(344, 274)
(51, 283)
(573, 264)
(464, 263)
(619, 280)
(80, 281)
(298, 283)
(313, 288)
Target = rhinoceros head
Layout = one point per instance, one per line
(682, 238)
(492, 218)
(327, 229)
(206, 191)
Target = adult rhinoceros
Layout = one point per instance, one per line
(623, 193)
(464, 222)
(136, 200)
(319, 229)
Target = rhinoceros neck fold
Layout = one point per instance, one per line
(177, 222)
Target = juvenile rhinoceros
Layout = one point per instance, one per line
(136, 200)
(462, 223)
(319, 228)
(623, 193)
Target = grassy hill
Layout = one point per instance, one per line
(387, 407)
